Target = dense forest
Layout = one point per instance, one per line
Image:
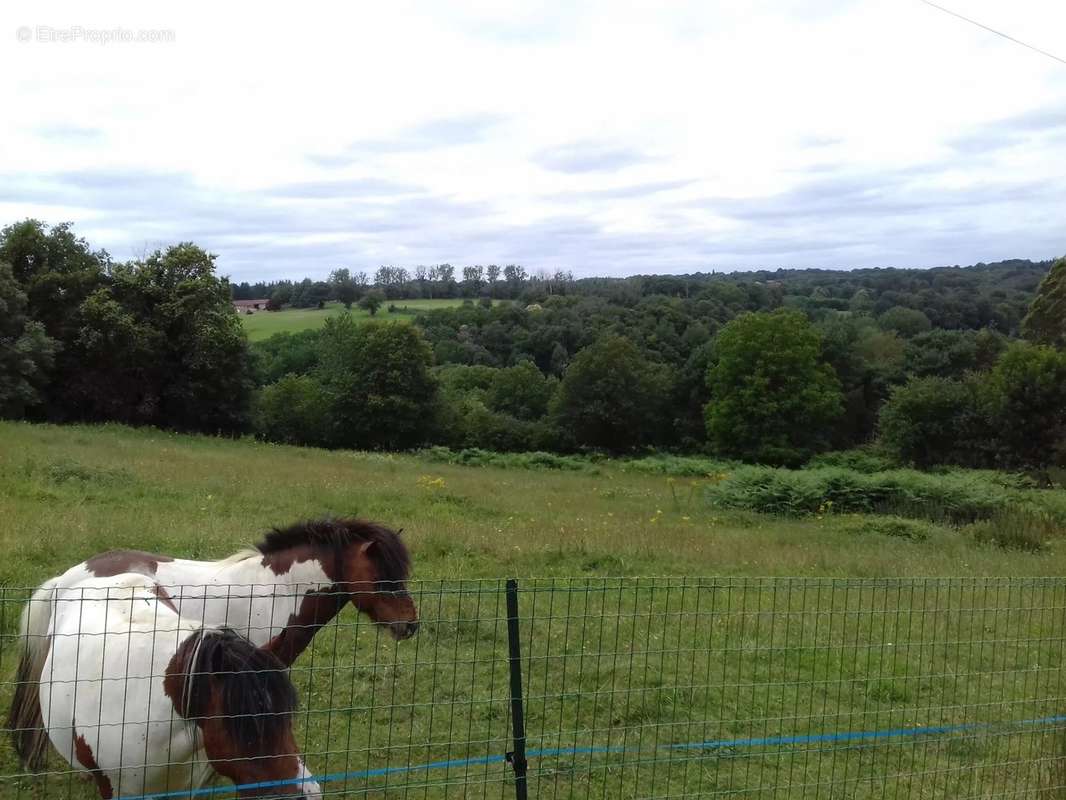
(949, 365)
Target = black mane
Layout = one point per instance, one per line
(257, 695)
(389, 552)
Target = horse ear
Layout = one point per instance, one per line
(365, 547)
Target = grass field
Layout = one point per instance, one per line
(263, 324)
(613, 663)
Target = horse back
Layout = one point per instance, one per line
(101, 689)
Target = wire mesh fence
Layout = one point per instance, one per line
(649, 688)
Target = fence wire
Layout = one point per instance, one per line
(665, 688)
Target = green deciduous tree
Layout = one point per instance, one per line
(521, 391)
(1025, 397)
(160, 344)
(611, 396)
(906, 322)
(26, 351)
(1046, 321)
(372, 301)
(382, 393)
(344, 288)
(56, 271)
(933, 420)
(773, 398)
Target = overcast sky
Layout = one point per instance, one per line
(604, 138)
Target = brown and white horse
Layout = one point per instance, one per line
(142, 700)
(278, 595)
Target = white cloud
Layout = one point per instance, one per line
(601, 137)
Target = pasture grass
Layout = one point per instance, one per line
(264, 324)
(610, 661)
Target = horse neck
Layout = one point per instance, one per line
(313, 573)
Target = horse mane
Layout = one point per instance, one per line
(256, 694)
(389, 552)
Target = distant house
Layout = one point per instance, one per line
(250, 306)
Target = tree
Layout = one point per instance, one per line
(1046, 321)
(372, 301)
(948, 354)
(317, 295)
(281, 295)
(1025, 396)
(346, 293)
(773, 398)
(521, 391)
(26, 351)
(514, 274)
(934, 420)
(906, 322)
(382, 394)
(160, 344)
(559, 359)
(56, 271)
(343, 286)
(472, 278)
(612, 397)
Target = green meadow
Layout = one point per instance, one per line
(264, 324)
(750, 626)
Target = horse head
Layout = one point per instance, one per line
(367, 563)
(243, 701)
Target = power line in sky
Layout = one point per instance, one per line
(993, 30)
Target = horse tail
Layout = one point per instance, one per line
(24, 720)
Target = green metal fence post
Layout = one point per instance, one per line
(517, 757)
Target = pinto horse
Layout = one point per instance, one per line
(277, 594)
(143, 700)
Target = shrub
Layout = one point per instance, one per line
(864, 460)
(677, 466)
(957, 497)
(899, 527)
(484, 458)
(288, 353)
(293, 410)
(1016, 529)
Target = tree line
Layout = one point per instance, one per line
(399, 283)
(941, 366)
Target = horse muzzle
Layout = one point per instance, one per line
(403, 629)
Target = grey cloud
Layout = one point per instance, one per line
(430, 135)
(816, 141)
(875, 196)
(1011, 131)
(93, 188)
(841, 218)
(69, 133)
(580, 157)
(341, 189)
(633, 190)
